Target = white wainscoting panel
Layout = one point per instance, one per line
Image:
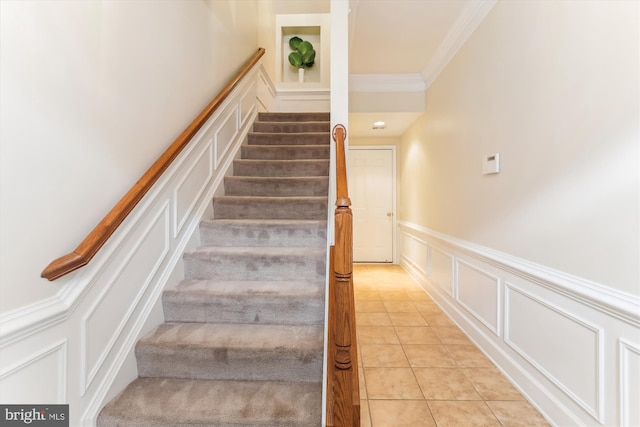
(571, 346)
(540, 332)
(629, 378)
(47, 362)
(101, 310)
(106, 319)
(479, 292)
(225, 134)
(248, 104)
(441, 269)
(192, 185)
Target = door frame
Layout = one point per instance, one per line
(394, 193)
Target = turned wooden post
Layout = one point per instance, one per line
(344, 404)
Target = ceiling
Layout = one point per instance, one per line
(401, 41)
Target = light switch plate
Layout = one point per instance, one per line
(491, 164)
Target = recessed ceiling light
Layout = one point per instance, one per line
(379, 125)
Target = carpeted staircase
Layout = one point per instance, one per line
(242, 344)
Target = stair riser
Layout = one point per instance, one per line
(294, 117)
(261, 235)
(289, 138)
(276, 168)
(280, 127)
(246, 309)
(243, 186)
(203, 266)
(279, 152)
(228, 364)
(232, 208)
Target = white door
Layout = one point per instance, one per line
(370, 181)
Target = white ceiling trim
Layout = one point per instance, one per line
(386, 83)
(466, 23)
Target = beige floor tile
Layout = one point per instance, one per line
(391, 383)
(400, 307)
(370, 307)
(427, 307)
(417, 335)
(407, 319)
(463, 414)
(468, 356)
(445, 384)
(377, 335)
(517, 414)
(367, 295)
(393, 295)
(437, 319)
(362, 386)
(491, 384)
(451, 335)
(373, 319)
(400, 413)
(365, 418)
(383, 355)
(419, 295)
(428, 356)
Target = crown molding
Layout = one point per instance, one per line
(386, 83)
(469, 19)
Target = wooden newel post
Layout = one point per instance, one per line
(345, 403)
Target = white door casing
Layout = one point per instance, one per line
(371, 180)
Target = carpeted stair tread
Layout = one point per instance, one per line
(289, 138)
(276, 186)
(259, 207)
(308, 126)
(294, 117)
(289, 152)
(165, 402)
(267, 168)
(254, 263)
(263, 232)
(260, 301)
(232, 352)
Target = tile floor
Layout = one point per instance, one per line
(417, 368)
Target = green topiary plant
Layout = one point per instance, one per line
(303, 55)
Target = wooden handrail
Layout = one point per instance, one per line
(343, 399)
(87, 249)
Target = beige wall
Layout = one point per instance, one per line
(91, 93)
(553, 87)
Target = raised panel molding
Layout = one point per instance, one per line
(479, 292)
(629, 380)
(571, 346)
(566, 349)
(192, 185)
(415, 251)
(47, 362)
(225, 134)
(129, 283)
(441, 269)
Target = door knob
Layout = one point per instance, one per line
(389, 214)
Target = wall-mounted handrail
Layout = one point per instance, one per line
(343, 392)
(87, 249)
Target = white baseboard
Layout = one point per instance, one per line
(568, 344)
